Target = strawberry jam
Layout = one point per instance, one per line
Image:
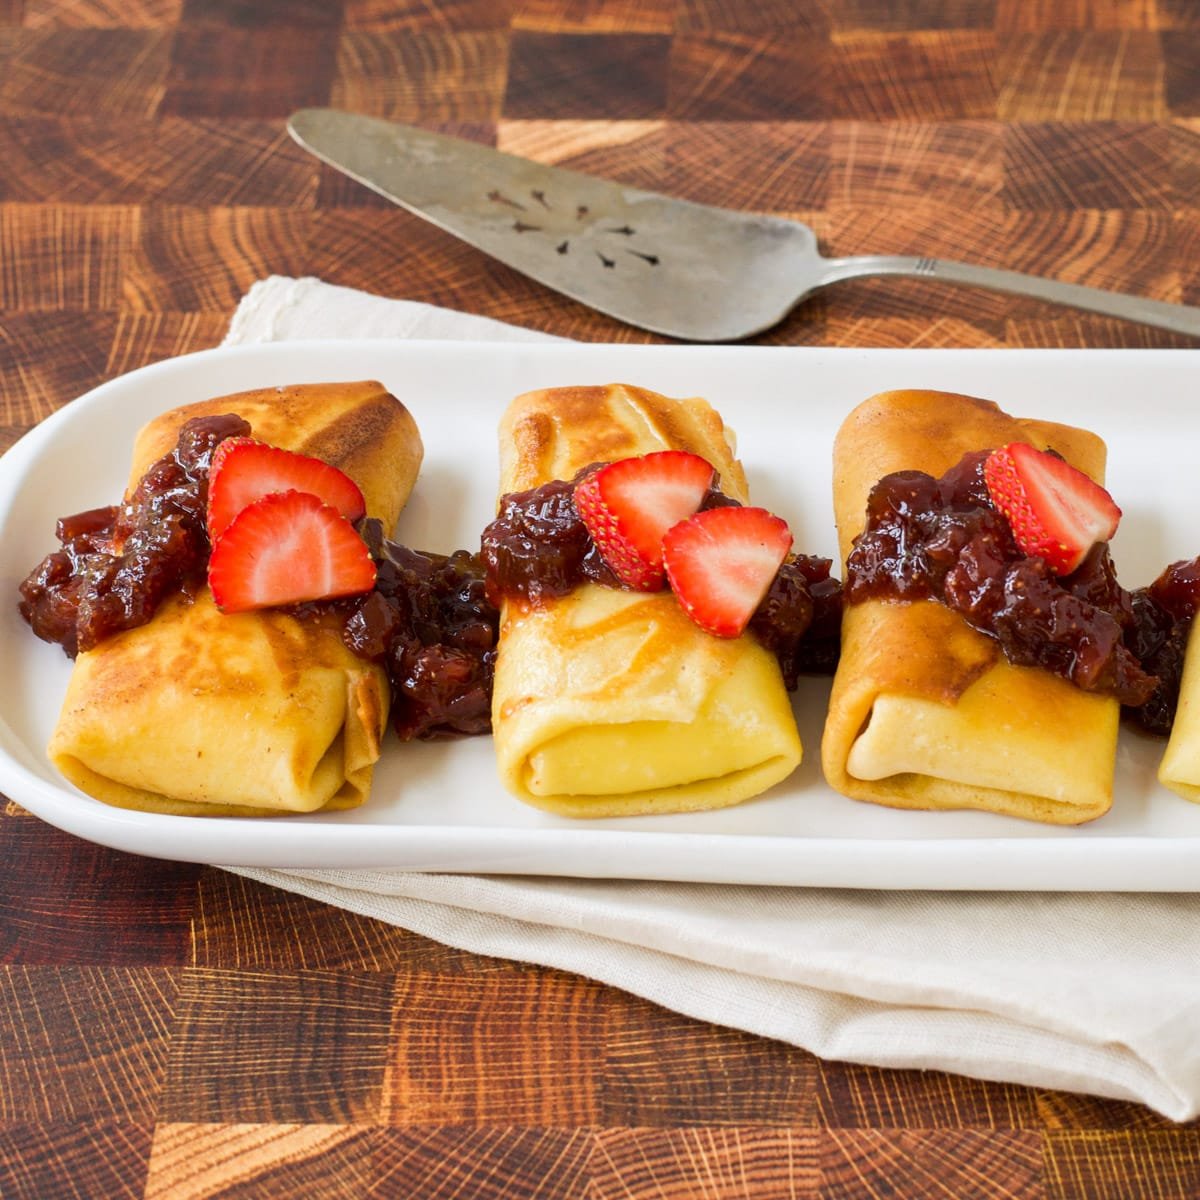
(942, 539)
(538, 547)
(116, 565)
(430, 625)
(1163, 614)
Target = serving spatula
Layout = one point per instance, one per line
(687, 270)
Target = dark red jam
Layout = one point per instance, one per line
(538, 547)
(1163, 614)
(116, 565)
(800, 618)
(430, 625)
(941, 539)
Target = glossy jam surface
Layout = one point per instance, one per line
(800, 618)
(1163, 614)
(538, 547)
(116, 565)
(942, 539)
(430, 625)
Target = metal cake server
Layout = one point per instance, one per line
(687, 270)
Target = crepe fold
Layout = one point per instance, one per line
(255, 713)
(613, 703)
(1179, 768)
(926, 712)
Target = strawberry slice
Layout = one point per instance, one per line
(284, 548)
(1056, 511)
(243, 470)
(721, 562)
(629, 504)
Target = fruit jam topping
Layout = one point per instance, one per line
(118, 564)
(942, 539)
(538, 547)
(430, 625)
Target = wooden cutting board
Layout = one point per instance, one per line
(175, 1031)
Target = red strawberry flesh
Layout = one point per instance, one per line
(285, 548)
(721, 562)
(630, 504)
(1056, 512)
(244, 470)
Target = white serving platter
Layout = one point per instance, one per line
(439, 807)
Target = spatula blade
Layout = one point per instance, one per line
(668, 265)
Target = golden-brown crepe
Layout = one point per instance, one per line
(926, 712)
(251, 713)
(1179, 769)
(610, 702)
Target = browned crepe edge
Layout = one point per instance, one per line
(585, 422)
(358, 427)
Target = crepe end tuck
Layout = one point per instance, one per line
(608, 702)
(253, 713)
(926, 712)
(1179, 768)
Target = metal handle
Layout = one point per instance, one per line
(1181, 318)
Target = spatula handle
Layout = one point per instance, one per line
(1181, 318)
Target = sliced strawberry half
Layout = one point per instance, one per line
(1056, 511)
(284, 548)
(721, 562)
(244, 470)
(630, 504)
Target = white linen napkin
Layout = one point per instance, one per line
(1096, 993)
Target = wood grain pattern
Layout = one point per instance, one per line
(962, 1164)
(173, 160)
(46, 358)
(942, 75)
(74, 1161)
(1097, 165)
(70, 257)
(232, 72)
(176, 1031)
(632, 152)
(1130, 1165)
(422, 75)
(197, 1161)
(516, 1047)
(719, 1163)
(884, 164)
(279, 1047)
(1096, 75)
(780, 76)
(84, 1042)
(493, 1163)
(204, 260)
(859, 1097)
(783, 168)
(568, 75)
(733, 1078)
(143, 919)
(81, 71)
(240, 923)
(102, 14)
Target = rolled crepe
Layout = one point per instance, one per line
(254, 713)
(609, 702)
(1179, 769)
(926, 712)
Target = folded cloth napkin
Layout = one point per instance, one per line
(1096, 993)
